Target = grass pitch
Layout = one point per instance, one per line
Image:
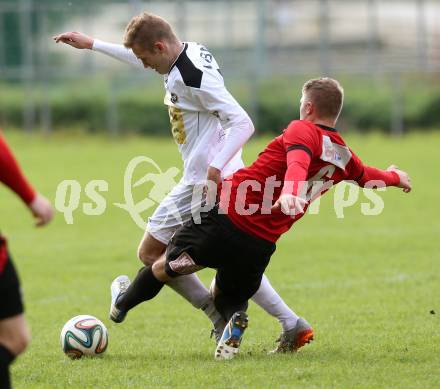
(368, 285)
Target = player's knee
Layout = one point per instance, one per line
(150, 250)
(159, 271)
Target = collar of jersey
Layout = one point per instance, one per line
(327, 128)
(185, 46)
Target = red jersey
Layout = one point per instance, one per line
(11, 174)
(307, 153)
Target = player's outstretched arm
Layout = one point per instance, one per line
(372, 177)
(378, 178)
(78, 40)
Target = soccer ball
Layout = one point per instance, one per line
(83, 335)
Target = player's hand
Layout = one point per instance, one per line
(41, 209)
(214, 175)
(213, 178)
(75, 39)
(405, 180)
(289, 204)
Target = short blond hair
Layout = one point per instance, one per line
(146, 29)
(327, 95)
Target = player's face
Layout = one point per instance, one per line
(156, 59)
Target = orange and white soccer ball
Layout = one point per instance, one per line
(84, 335)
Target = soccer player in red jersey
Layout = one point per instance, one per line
(298, 166)
(260, 202)
(14, 333)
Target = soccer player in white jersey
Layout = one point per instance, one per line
(209, 127)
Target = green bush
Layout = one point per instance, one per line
(86, 105)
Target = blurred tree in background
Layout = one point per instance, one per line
(22, 18)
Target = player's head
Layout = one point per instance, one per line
(153, 41)
(322, 99)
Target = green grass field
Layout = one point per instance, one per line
(366, 284)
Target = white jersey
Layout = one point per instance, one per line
(202, 111)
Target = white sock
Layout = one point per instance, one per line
(191, 288)
(268, 299)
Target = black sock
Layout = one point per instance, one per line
(227, 306)
(6, 358)
(144, 287)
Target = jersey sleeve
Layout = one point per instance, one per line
(300, 136)
(11, 174)
(363, 174)
(118, 52)
(301, 144)
(298, 162)
(216, 99)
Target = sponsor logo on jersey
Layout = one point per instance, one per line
(334, 153)
(174, 98)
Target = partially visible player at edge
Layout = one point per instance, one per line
(210, 128)
(239, 236)
(14, 333)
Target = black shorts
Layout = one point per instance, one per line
(11, 303)
(240, 258)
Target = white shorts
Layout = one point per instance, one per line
(174, 210)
